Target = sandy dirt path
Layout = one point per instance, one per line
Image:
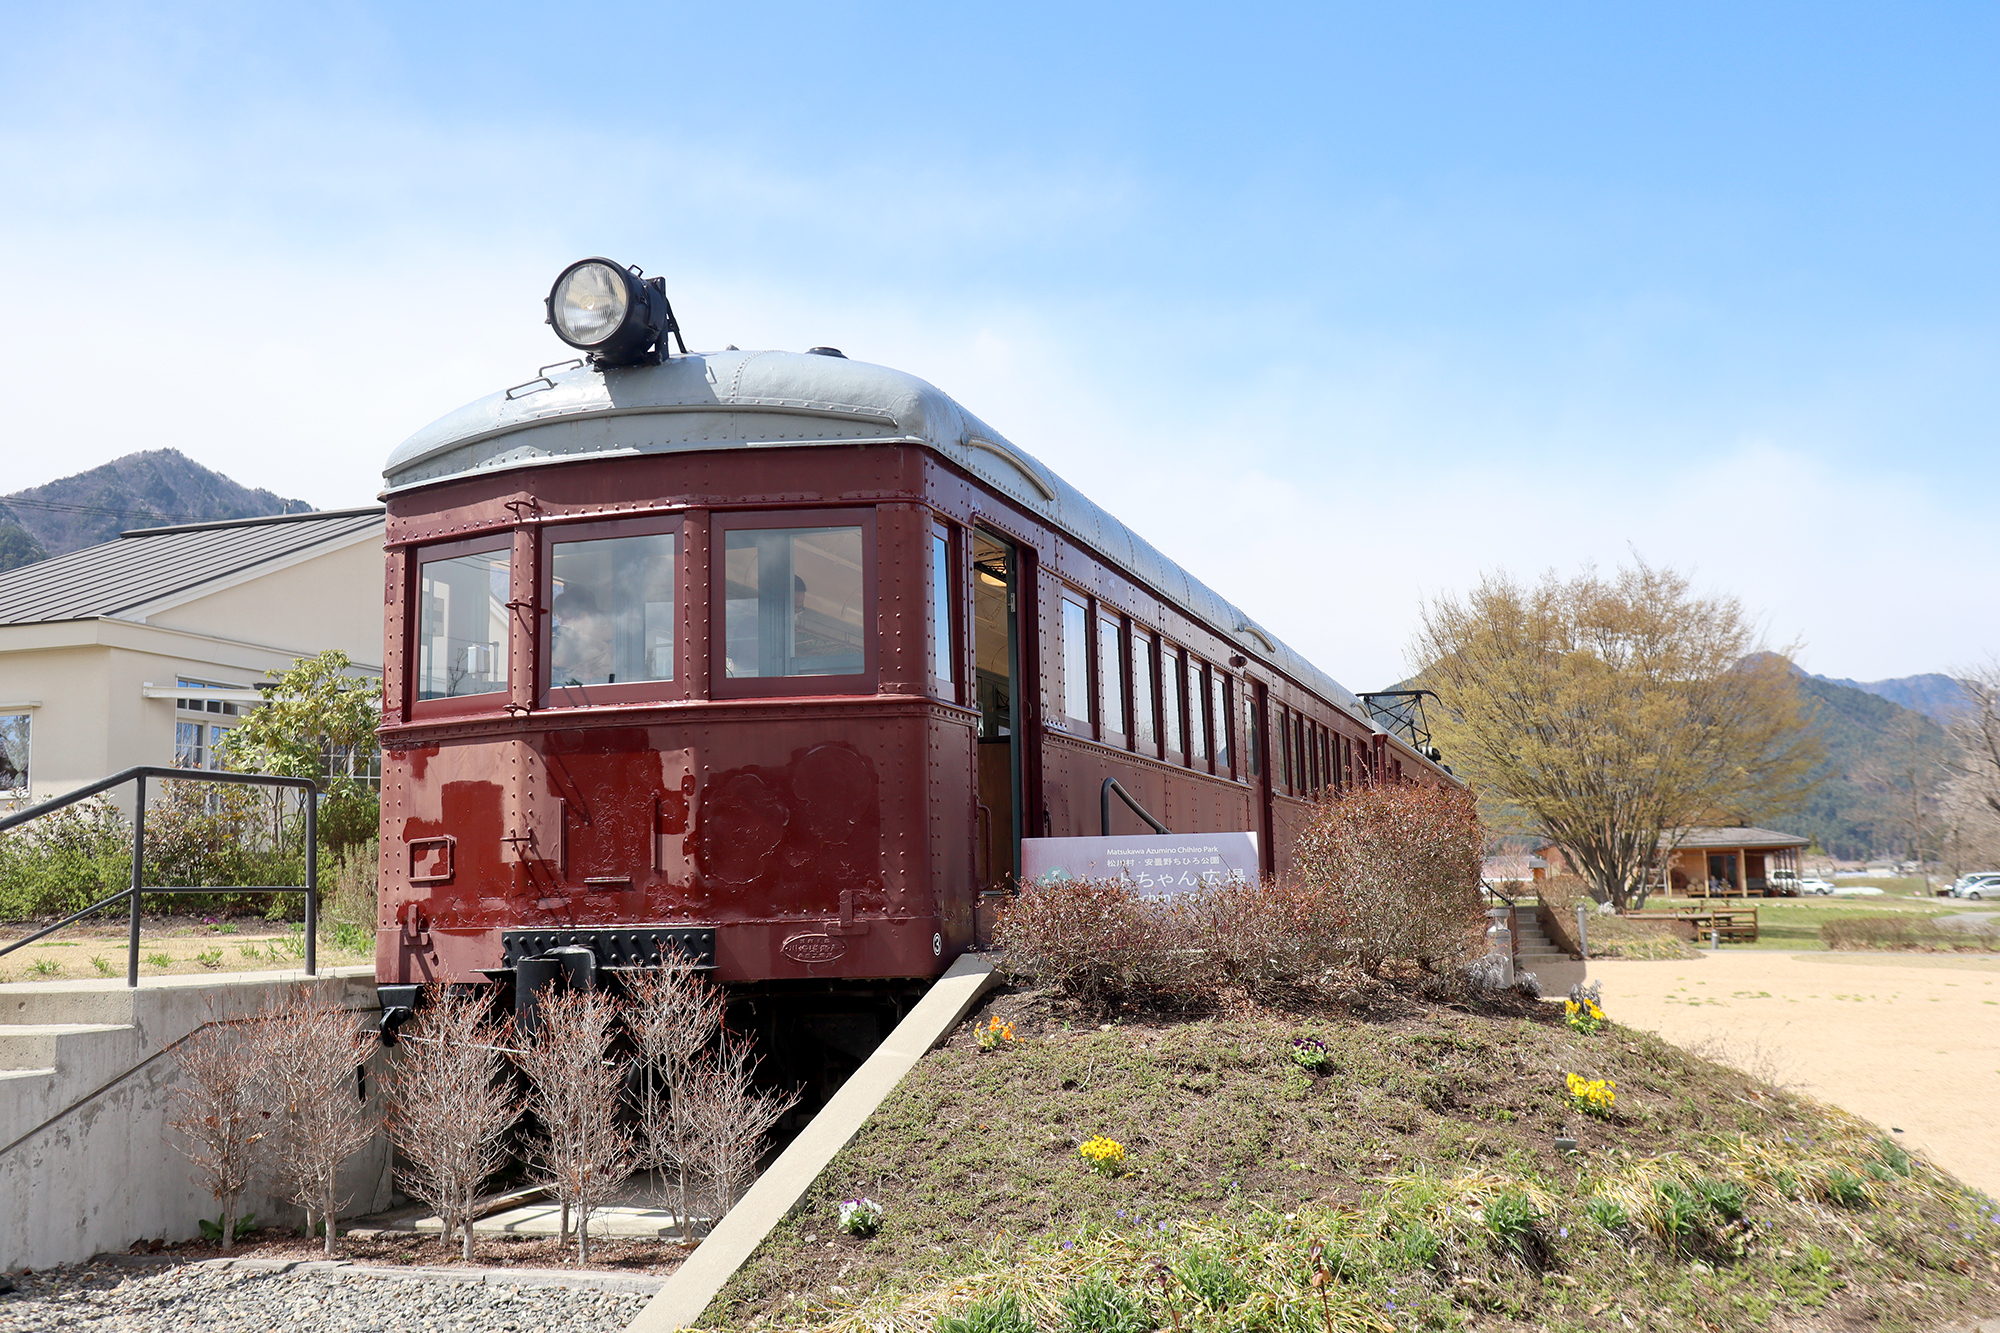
(1910, 1041)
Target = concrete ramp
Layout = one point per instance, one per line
(695, 1283)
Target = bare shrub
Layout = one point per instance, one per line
(673, 1016)
(582, 1154)
(452, 1100)
(218, 1111)
(1399, 865)
(1089, 937)
(1914, 935)
(1256, 939)
(307, 1051)
(732, 1119)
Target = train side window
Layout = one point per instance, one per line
(943, 662)
(795, 601)
(1076, 664)
(1145, 689)
(1222, 699)
(1174, 697)
(462, 621)
(1111, 677)
(1285, 745)
(1199, 728)
(611, 610)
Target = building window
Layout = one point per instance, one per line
(1076, 663)
(462, 624)
(13, 754)
(1110, 676)
(1145, 688)
(200, 705)
(195, 745)
(794, 602)
(942, 583)
(611, 610)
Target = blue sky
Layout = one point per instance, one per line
(1339, 305)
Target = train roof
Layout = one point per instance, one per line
(732, 399)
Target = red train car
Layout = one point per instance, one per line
(774, 658)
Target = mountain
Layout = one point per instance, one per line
(1938, 697)
(142, 490)
(1875, 746)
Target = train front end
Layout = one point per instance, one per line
(660, 676)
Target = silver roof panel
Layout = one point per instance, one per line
(718, 400)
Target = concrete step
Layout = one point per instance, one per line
(77, 1059)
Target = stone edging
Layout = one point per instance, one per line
(633, 1283)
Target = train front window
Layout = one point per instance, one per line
(793, 602)
(611, 610)
(462, 624)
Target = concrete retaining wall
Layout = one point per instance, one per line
(87, 1163)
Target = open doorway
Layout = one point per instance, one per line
(996, 673)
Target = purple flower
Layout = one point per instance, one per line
(1163, 1226)
(1565, 1232)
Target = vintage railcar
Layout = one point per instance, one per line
(774, 658)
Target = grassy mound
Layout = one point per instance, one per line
(1412, 1181)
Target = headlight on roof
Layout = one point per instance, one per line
(613, 313)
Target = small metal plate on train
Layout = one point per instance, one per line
(616, 946)
(813, 948)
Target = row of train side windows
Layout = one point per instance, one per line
(790, 595)
(1129, 687)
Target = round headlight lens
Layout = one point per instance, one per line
(590, 304)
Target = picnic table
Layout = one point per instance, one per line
(1737, 925)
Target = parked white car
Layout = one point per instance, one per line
(1815, 885)
(1982, 885)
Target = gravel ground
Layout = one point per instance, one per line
(235, 1298)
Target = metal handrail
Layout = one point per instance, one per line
(1104, 803)
(135, 892)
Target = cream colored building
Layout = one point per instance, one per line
(142, 650)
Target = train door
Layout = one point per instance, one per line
(996, 646)
(1257, 753)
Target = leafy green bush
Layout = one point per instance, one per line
(1097, 1306)
(1212, 1280)
(1607, 1214)
(999, 1314)
(65, 860)
(1511, 1218)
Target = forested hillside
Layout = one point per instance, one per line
(1876, 750)
(158, 486)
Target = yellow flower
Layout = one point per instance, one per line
(1106, 1155)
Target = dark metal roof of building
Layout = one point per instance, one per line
(1733, 837)
(148, 565)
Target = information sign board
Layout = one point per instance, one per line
(1157, 863)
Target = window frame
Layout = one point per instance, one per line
(1173, 670)
(457, 705)
(1068, 598)
(1115, 732)
(951, 582)
(1142, 652)
(641, 691)
(721, 685)
(26, 716)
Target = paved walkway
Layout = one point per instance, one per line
(1910, 1041)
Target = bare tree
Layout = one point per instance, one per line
(1976, 732)
(674, 1014)
(582, 1154)
(219, 1113)
(452, 1100)
(307, 1053)
(1606, 712)
(732, 1119)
